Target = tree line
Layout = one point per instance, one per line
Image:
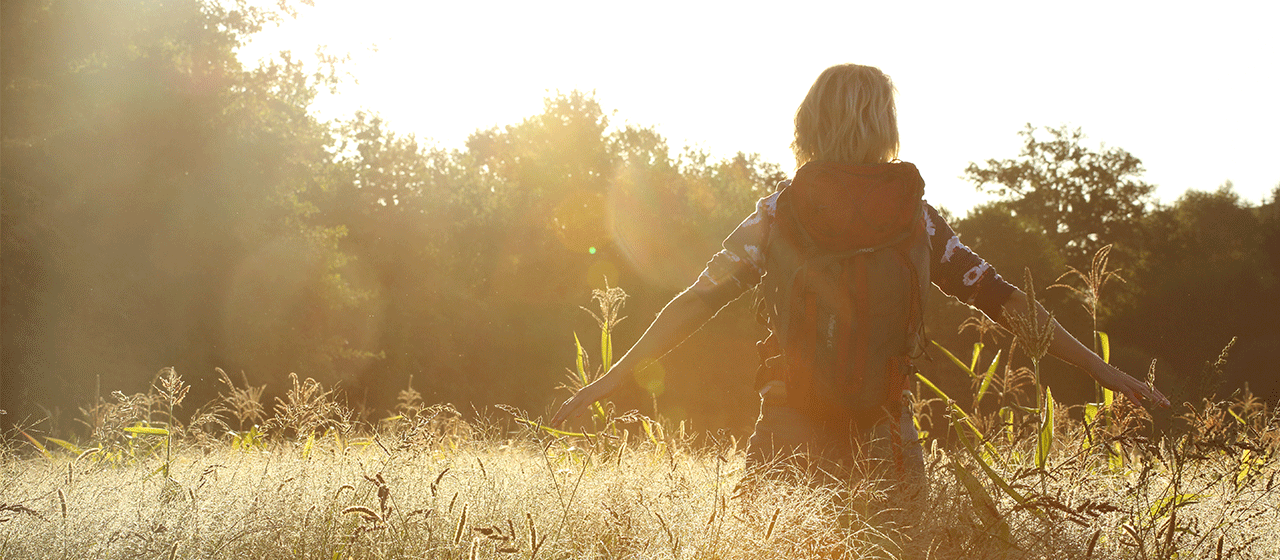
(165, 205)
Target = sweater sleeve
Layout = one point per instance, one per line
(740, 264)
(961, 273)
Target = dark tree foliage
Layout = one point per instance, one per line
(1204, 278)
(1080, 198)
(1198, 272)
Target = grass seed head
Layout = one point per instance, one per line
(1033, 335)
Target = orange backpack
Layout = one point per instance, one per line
(846, 270)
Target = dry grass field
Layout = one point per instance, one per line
(307, 480)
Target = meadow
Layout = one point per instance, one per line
(309, 477)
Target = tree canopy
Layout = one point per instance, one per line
(1078, 198)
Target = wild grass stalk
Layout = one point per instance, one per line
(1091, 297)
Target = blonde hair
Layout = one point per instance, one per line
(848, 117)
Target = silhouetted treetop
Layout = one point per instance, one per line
(1081, 198)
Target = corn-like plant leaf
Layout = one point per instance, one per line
(1105, 343)
(147, 430)
(1167, 504)
(306, 448)
(648, 430)
(977, 351)
(1115, 457)
(606, 351)
(921, 432)
(1006, 418)
(955, 360)
(989, 452)
(995, 477)
(552, 431)
(38, 445)
(65, 445)
(982, 502)
(986, 379)
(1045, 440)
(1090, 413)
(1246, 466)
(584, 377)
(581, 362)
(1229, 411)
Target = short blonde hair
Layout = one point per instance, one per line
(848, 116)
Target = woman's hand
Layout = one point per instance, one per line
(1066, 348)
(1140, 393)
(678, 320)
(580, 401)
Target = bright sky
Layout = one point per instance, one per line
(1192, 89)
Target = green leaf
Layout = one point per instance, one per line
(1232, 412)
(606, 351)
(1106, 346)
(648, 430)
(1090, 413)
(982, 502)
(954, 359)
(989, 450)
(146, 430)
(1245, 466)
(1024, 409)
(550, 430)
(38, 445)
(935, 388)
(582, 370)
(1167, 504)
(986, 379)
(1045, 442)
(977, 351)
(306, 448)
(1006, 417)
(990, 472)
(1115, 457)
(65, 445)
(921, 432)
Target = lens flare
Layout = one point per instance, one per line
(652, 377)
(665, 252)
(579, 221)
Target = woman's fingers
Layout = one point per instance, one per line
(573, 407)
(1138, 392)
(567, 410)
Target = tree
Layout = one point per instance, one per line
(156, 201)
(1081, 198)
(1204, 278)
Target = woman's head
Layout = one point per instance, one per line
(847, 117)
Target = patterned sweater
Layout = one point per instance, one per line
(955, 269)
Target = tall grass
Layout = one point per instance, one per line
(431, 484)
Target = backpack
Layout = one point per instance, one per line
(846, 271)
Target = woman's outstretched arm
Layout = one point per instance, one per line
(679, 319)
(1066, 348)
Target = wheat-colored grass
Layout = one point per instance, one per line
(426, 483)
(434, 486)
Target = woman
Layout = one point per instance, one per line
(846, 135)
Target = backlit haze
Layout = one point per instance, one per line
(1188, 88)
